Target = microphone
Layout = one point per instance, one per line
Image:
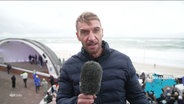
(90, 78)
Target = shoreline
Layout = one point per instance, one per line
(177, 72)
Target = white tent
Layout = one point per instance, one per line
(18, 50)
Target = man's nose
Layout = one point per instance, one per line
(91, 36)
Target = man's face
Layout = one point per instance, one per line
(90, 36)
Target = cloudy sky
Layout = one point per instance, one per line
(119, 18)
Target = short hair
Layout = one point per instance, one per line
(86, 17)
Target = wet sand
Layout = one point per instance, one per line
(159, 69)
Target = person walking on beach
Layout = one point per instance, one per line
(13, 78)
(37, 83)
(44, 85)
(117, 67)
(40, 59)
(24, 77)
(9, 67)
(34, 74)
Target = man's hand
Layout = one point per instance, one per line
(86, 99)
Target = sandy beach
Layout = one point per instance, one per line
(159, 69)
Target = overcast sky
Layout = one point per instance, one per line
(119, 18)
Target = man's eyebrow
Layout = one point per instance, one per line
(89, 29)
(97, 28)
(84, 30)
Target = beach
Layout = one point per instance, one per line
(177, 72)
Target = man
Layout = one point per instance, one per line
(44, 85)
(9, 67)
(37, 82)
(119, 80)
(24, 77)
(13, 78)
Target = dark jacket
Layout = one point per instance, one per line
(119, 81)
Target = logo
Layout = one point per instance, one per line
(15, 95)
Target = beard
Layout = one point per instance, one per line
(93, 48)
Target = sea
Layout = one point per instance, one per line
(159, 51)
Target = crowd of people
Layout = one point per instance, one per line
(169, 93)
(51, 94)
(40, 84)
(36, 59)
(37, 81)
